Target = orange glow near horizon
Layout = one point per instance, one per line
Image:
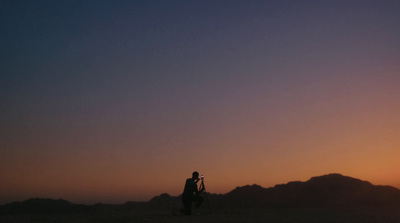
(352, 147)
(309, 142)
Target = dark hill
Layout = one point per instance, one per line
(332, 190)
(40, 205)
(327, 190)
(164, 201)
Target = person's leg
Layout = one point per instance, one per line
(188, 207)
(187, 204)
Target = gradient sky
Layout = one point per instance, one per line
(114, 101)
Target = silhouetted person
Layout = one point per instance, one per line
(191, 194)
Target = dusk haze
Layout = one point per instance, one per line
(116, 101)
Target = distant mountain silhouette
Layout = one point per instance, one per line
(45, 205)
(40, 205)
(327, 190)
(332, 190)
(164, 201)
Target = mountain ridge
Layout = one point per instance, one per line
(331, 190)
(326, 190)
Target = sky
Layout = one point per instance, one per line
(115, 101)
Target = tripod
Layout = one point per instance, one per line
(205, 192)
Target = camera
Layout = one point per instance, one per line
(202, 177)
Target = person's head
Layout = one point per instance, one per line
(195, 175)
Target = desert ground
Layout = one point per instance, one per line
(342, 215)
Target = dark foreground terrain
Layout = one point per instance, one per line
(328, 198)
(382, 214)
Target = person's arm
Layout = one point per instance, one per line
(196, 190)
